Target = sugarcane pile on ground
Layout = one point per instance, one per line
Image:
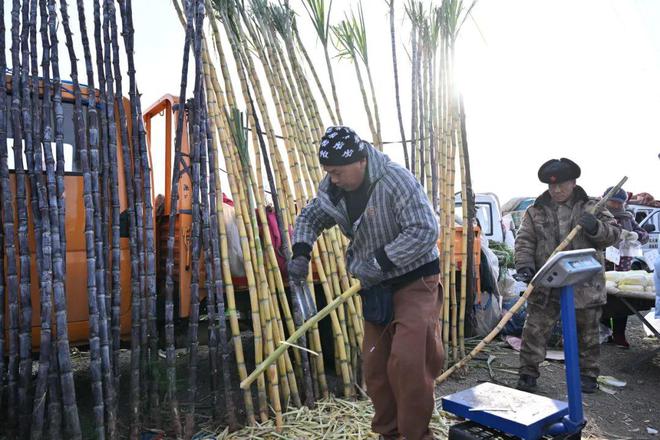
(331, 418)
(45, 406)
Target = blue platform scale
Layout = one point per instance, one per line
(495, 411)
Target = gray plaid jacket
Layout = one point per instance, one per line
(398, 221)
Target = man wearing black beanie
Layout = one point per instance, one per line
(384, 212)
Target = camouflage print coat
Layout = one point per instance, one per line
(545, 225)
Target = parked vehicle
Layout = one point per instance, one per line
(515, 208)
(650, 221)
(488, 215)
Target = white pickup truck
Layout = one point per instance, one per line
(488, 214)
(648, 218)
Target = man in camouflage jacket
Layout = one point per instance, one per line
(545, 224)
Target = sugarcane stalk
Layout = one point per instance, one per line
(139, 143)
(211, 270)
(109, 305)
(34, 170)
(3, 163)
(340, 348)
(428, 169)
(70, 409)
(528, 291)
(395, 69)
(45, 342)
(22, 132)
(422, 93)
(195, 16)
(468, 220)
(100, 165)
(9, 251)
(82, 146)
(54, 397)
(90, 145)
(414, 86)
(174, 200)
(2, 298)
(309, 102)
(59, 137)
(434, 23)
(274, 274)
(109, 145)
(193, 320)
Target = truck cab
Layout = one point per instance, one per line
(488, 214)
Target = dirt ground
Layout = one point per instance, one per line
(624, 415)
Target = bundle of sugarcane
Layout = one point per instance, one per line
(437, 141)
(49, 408)
(273, 44)
(262, 85)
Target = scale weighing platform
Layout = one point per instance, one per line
(498, 412)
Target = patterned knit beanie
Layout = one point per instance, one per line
(340, 145)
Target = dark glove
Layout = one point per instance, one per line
(525, 274)
(368, 272)
(589, 223)
(298, 269)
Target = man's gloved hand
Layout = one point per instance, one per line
(589, 223)
(298, 268)
(369, 273)
(629, 235)
(525, 274)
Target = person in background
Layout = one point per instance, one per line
(615, 313)
(545, 224)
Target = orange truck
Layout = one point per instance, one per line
(160, 120)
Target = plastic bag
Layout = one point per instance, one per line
(233, 242)
(633, 278)
(487, 313)
(631, 249)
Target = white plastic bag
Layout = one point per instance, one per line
(233, 242)
(631, 249)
